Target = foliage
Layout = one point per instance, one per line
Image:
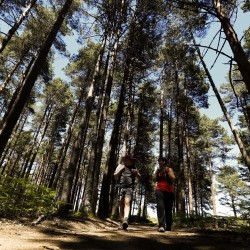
(209, 222)
(235, 191)
(19, 197)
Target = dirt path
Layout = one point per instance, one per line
(96, 234)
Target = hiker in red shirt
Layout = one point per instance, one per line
(164, 193)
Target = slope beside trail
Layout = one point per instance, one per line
(58, 234)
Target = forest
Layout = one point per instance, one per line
(136, 83)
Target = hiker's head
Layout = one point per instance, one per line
(162, 161)
(128, 159)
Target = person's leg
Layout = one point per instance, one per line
(127, 204)
(168, 210)
(127, 201)
(160, 208)
(122, 208)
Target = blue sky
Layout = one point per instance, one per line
(220, 69)
(219, 73)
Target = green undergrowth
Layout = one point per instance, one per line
(19, 197)
(241, 225)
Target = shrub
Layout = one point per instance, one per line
(19, 197)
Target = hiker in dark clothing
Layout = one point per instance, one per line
(125, 174)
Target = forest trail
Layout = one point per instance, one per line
(95, 234)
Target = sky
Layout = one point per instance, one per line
(219, 73)
(221, 68)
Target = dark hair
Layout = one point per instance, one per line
(164, 159)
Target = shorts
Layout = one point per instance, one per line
(126, 192)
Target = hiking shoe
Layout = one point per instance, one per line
(168, 228)
(125, 225)
(120, 226)
(161, 229)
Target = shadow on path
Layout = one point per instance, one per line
(146, 237)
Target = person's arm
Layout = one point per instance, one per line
(170, 173)
(118, 170)
(136, 172)
(155, 174)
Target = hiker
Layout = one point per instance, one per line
(125, 174)
(164, 193)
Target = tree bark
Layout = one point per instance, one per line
(49, 115)
(103, 209)
(189, 173)
(90, 194)
(34, 144)
(15, 27)
(181, 174)
(212, 185)
(231, 36)
(65, 206)
(65, 145)
(161, 121)
(16, 94)
(237, 138)
(10, 74)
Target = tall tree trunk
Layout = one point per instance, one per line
(104, 113)
(139, 210)
(16, 110)
(52, 178)
(10, 74)
(231, 36)
(11, 145)
(65, 145)
(161, 121)
(100, 133)
(65, 205)
(49, 154)
(195, 188)
(212, 185)
(170, 121)
(189, 172)
(34, 144)
(19, 129)
(188, 157)
(1, 2)
(233, 206)
(90, 194)
(103, 209)
(32, 160)
(181, 174)
(237, 138)
(15, 96)
(15, 27)
(126, 147)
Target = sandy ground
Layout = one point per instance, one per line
(58, 234)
